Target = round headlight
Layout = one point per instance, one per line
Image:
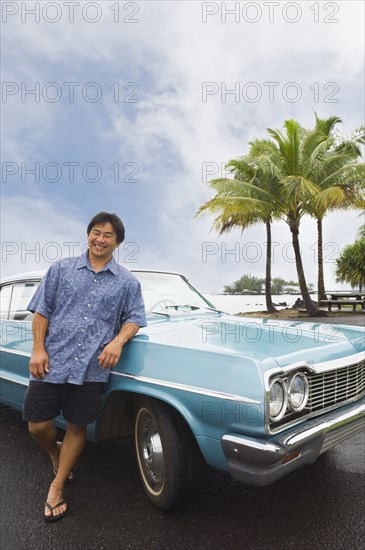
(278, 399)
(298, 392)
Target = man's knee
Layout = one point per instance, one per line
(40, 428)
(76, 429)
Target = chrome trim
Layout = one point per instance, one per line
(293, 441)
(334, 437)
(21, 277)
(311, 416)
(339, 363)
(15, 352)
(284, 404)
(191, 389)
(11, 285)
(282, 371)
(317, 368)
(267, 447)
(16, 320)
(260, 462)
(306, 391)
(185, 387)
(39, 274)
(14, 378)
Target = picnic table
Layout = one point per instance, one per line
(353, 298)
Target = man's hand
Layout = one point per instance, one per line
(39, 364)
(109, 357)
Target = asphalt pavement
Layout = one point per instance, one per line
(319, 507)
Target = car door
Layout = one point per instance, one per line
(16, 340)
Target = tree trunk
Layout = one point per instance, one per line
(310, 306)
(269, 305)
(321, 289)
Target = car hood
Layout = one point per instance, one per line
(229, 355)
(269, 342)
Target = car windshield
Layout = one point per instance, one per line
(169, 293)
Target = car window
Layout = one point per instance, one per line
(163, 290)
(5, 295)
(22, 293)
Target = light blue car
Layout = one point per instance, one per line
(258, 398)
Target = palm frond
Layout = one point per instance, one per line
(326, 125)
(299, 190)
(352, 173)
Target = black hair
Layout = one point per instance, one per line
(113, 219)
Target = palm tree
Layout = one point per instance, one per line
(291, 174)
(292, 159)
(350, 265)
(335, 197)
(340, 179)
(241, 202)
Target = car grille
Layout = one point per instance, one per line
(329, 388)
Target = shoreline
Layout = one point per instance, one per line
(340, 317)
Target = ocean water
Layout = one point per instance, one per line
(250, 302)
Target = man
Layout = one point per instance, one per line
(85, 310)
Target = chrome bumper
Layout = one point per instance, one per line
(261, 463)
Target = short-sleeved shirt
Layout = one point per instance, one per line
(85, 311)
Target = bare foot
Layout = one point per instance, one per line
(56, 507)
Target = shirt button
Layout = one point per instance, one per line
(92, 292)
(79, 345)
(88, 305)
(76, 358)
(82, 330)
(85, 317)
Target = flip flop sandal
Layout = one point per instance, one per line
(71, 476)
(52, 518)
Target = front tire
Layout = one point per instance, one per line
(164, 455)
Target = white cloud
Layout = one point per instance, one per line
(36, 232)
(171, 132)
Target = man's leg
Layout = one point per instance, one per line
(45, 434)
(71, 449)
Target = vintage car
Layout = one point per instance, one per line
(258, 398)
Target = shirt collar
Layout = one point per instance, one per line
(83, 261)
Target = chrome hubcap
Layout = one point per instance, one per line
(152, 452)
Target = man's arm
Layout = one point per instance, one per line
(109, 357)
(39, 362)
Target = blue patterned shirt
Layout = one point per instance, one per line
(85, 311)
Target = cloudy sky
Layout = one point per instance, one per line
(131, 107)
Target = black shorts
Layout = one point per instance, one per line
(78, 404)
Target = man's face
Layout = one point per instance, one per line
(102, 241)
